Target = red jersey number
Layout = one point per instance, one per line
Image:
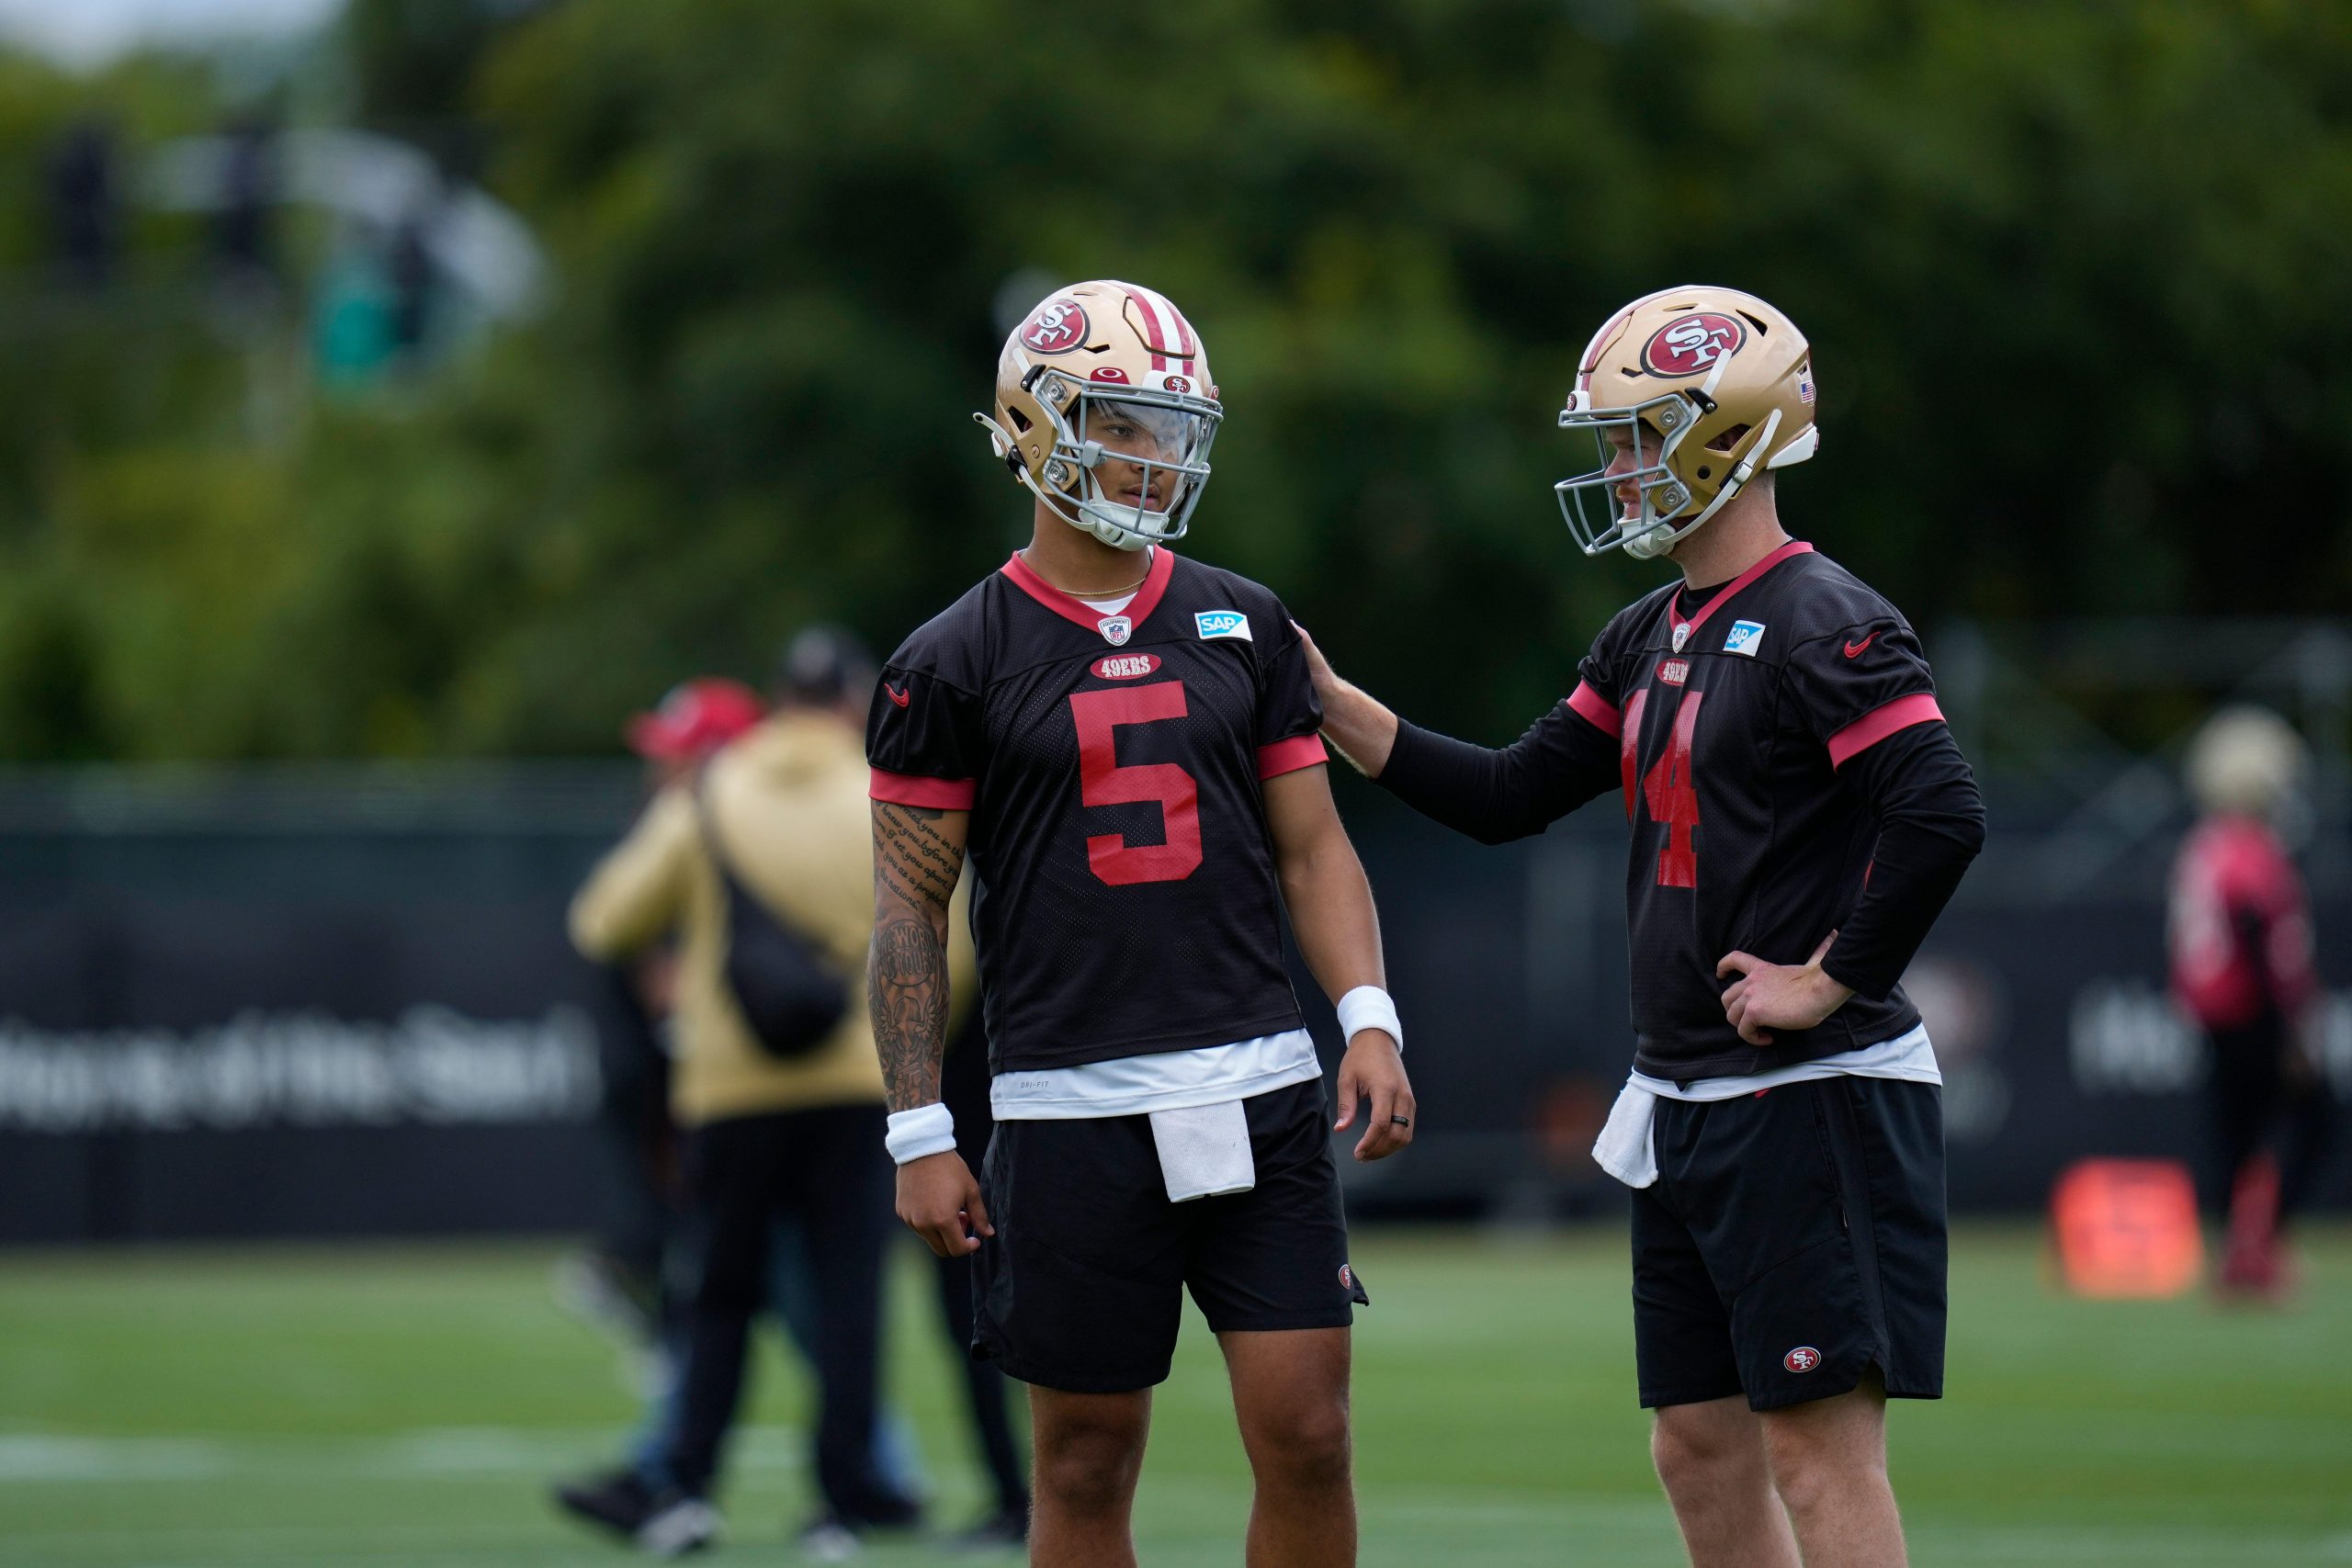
(1668, 788)
(1102, 781)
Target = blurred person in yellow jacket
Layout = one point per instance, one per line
(615, 1281)
(767, 1136)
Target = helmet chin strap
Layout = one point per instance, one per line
(1663, 535)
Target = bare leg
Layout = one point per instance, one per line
(1828, 1461)
(1290, 1392)
(1710, 1457)
(1090, 1451)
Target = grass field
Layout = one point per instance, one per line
(397, 1407)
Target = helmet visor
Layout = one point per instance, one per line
(1135, 458)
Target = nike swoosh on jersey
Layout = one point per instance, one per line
(1854, 647)
(896, 696)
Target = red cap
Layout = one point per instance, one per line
(695, 719)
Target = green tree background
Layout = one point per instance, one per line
(2076, 276)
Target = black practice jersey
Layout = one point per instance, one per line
(1725, 725)
(1125, 899)
(1732, 724)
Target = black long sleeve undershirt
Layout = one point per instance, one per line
(1931, 824)
(1916, 783)
(1494, 796)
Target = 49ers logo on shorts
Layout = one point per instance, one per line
(1688, 344)
(1803, 1358)
(1058, 327)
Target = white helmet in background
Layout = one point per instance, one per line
(2245, 761)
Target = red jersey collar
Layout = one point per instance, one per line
(1725, 594)
(1147, 598)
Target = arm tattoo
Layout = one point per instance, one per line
(915, 868)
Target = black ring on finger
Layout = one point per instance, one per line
(1402, 1121)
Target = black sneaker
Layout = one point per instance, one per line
(667, 1523)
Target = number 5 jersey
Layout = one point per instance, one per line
(1125, 899)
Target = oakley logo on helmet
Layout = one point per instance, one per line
(1058, 327)
(1689, 345)
(1107, 373)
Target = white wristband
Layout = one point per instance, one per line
(919, 1133)
(1369, 1007)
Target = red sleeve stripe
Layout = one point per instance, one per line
(1867, 731)
(1595, 710)
(913, 789)
(1289, 756)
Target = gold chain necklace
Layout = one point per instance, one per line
(1093, 593)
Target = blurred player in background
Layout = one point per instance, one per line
(770, 1142)
(1800, 816)
(1125, 743)
(616, 1281)
(2241, 940)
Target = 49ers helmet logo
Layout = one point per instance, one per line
(1689, 344)
(1058, 327)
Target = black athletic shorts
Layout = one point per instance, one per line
(1793, 1240)
(1082, 1288)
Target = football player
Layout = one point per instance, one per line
(1800, 815)
(1125, 744)
(2242, 967)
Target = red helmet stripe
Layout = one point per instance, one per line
(1155, 313)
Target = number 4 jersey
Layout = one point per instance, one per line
(1770, 743)
(1733, 720)
(1125, 899)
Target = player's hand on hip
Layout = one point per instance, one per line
(942, 1203)
(1779, 996)
(1374, 1070)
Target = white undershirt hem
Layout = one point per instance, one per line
(1164, 1080)
(1627, 1150)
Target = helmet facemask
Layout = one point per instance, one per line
(1667, 511)
(1148, 440)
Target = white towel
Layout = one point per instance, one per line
(1204, 1150)
(1624, 1148)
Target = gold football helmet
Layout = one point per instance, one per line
(1107, 371)
(1713, 385)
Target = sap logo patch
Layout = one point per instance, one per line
(1674, 671)
(1214, 624)
(1126, 666)
(1743, 638)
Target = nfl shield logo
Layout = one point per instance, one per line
(1681, 635)
(1115, 630)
